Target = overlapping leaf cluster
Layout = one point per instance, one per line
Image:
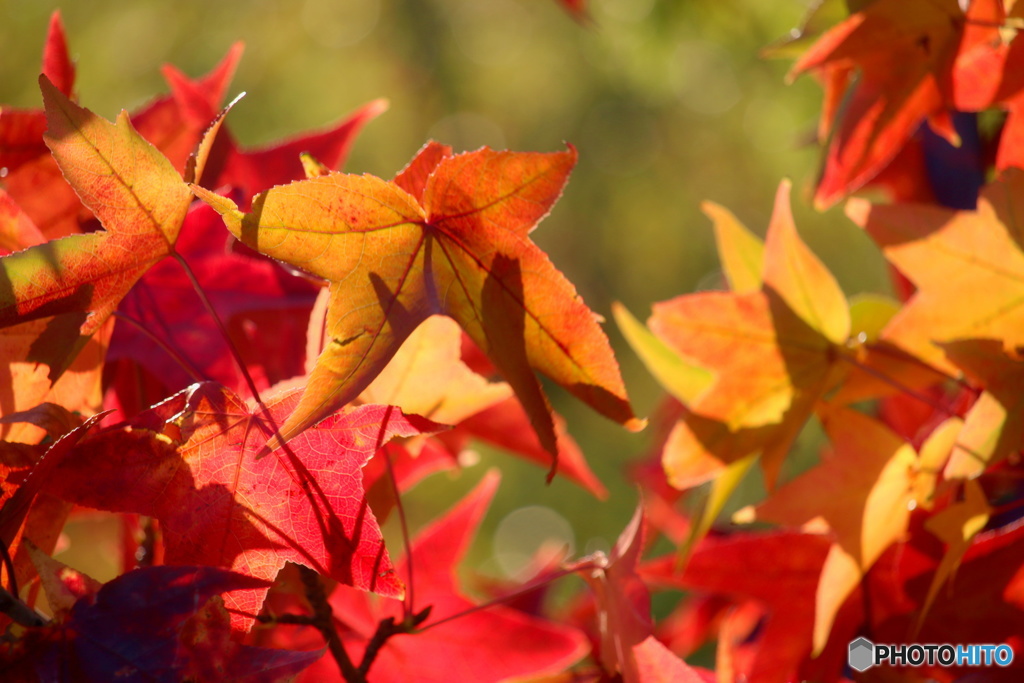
(241, 426)
(917, 489)
(248, 357)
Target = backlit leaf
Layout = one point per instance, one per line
(463, 251)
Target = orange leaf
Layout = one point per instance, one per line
(968, 267)
(189, 462)
(462, 250)
(956, 526)
(904, 51)
(994, 426)
(79, 281)
(774, 353)
(862, 493)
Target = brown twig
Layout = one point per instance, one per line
(323, 620)
(385, 629)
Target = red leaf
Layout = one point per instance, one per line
(57, 64)
(130, 630)
(241, 287)
(779, 570)
(905, 52)
(656, 664)
(254, 170)
(515, 646)
(190, 463)
(623, 602)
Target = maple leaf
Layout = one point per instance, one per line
(131, 628)
(903, 52)
(188, 462)
(252, 170)
(968, 267)
(427, 376)
(30, 512)
(656, 664)
(74, 284)
(63, 585)
(957, 525)
(788, 568)
(32, 177)
(990, 575)
(263, 308)
(17, 231)
(994, 426)
(397, 252)
(863, 493)
(193, 104)
(175, 123)
(517, 645)
(78, 389)
(772, 352)
(623, 602)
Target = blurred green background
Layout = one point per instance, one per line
(668, 102)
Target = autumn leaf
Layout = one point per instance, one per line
(428, 377)
(190, 463)
(462, 249)
(862, 493)
(253, 170)
(623, 601)
(656, 664)
(506, 426)
(994, 426)
(903, 53)
(989, 574)
(779, 570)
(29, 511)
(17, 231)
(175, 123)
(32, 178)
(968, 267)
(516, 646)
(740, 251)
(264, 309)
(957, 526)
(772, 351)
(76, 283)
(130, 629)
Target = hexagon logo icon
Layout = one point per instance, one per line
(862, 654)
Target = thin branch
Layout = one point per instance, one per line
(323, 617)
(903, 388)
(385, 629)
(19, 612)
(514, 594)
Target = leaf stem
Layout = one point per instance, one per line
(514, 594)
(903, 388)
(323, 620)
